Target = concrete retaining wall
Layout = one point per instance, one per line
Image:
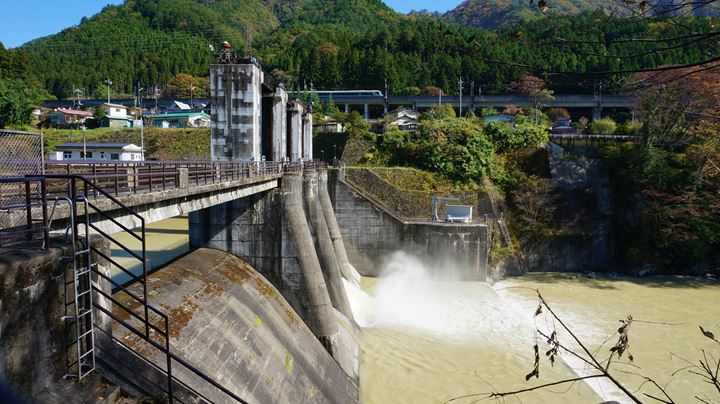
(371, 234)
(32, 335)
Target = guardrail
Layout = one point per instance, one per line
(121, 178)
(592, 138)
(24, 200)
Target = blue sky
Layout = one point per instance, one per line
(23, 21)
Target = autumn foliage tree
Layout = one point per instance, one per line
(186, 86)
(675, 173)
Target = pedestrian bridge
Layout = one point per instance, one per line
(153, 190)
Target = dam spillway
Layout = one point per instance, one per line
(229, 321)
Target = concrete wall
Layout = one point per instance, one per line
(235, 103)
(33, 337)
(371, 234)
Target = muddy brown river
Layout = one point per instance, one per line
(433, 340)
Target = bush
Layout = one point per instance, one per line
(603, 126)
(524, 135)
(631, 128)
(558, 113)
(455, 148)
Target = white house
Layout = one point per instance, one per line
(97, 152)
(403, 119)
(116, 116)
(115, 110)
(180, 120)
(329, 126)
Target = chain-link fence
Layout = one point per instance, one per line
(21, 155)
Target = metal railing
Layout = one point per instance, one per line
(594, 138)
(122, 178)
(24, 196)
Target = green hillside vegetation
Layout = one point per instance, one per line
(336, 44)
(491, 14)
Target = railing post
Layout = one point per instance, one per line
(43, 198)
(117, 181)
(95, 179)
(28, 209)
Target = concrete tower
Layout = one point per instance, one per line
(236, 105)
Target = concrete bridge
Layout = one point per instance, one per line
(575, 101)
(373, 106)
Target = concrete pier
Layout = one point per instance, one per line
(279, 125)
(295, 132)
(320, 317)
(307, 136)
(323, 244)
(347, 270)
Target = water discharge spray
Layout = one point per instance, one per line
(411, 297)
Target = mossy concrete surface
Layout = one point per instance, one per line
(228, 321)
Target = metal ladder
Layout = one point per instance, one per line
(79, 321)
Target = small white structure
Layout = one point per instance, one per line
(458, 213)
(330, 126)
(97, 152)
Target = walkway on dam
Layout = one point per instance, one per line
(156, 190)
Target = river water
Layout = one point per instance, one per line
(430, 339)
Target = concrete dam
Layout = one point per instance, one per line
(258, 312)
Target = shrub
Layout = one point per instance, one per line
(631, 128)
(603, 126)
(456, 148)
(558, 113)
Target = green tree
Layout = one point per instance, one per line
(186, 85)
(18, 101)
(455, 148)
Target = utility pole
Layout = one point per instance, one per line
(386, 95)
(142, 137)
(84, 143)
(109, 83)
(191, 97)
(139, 97)
(460, 86)
(156, 94)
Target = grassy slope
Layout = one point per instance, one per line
(164, 144)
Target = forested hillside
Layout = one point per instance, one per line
(343, 44)
(490, 14)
